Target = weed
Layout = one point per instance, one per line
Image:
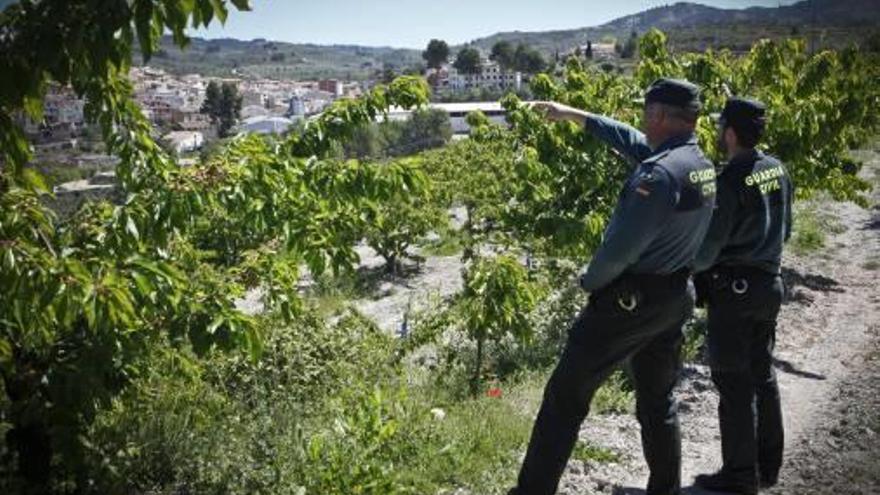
(449, 243)
(585, 452)
(695, 338)
(811, 228)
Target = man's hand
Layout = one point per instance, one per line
(556, 112)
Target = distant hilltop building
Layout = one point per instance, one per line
(600, 52)
(603, 51)
(490, 76)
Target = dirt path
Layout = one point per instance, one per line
(828, 353)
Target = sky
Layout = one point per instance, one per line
(411, 23)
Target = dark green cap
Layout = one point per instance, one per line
(745, 114)
(674, 92)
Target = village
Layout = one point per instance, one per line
(70, 149)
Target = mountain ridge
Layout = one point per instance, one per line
(683, 15)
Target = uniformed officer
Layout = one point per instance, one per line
(738, 270)
(638, 281)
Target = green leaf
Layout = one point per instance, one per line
(242, 5)
(220, 10)
(131, 227)
(215, 324)
(33, 179)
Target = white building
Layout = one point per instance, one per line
(265, 125)
(601, 51)
(490, 76)
(458, 113)
(184, 141)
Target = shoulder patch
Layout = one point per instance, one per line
(647, 180)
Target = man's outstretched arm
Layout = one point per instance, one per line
(626, 139)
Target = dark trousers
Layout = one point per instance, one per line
(742, 334)
(608, 331)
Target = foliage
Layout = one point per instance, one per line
(503, 53)
(395, 224)
(357, 455)
(568, 183)
(695, 338)
(816, 104)
(112, 320)
(436, 54)
(426, 128)
(629, 48)
(812, 227)
(496, 302)
(88, 295)
(467, 61)
(224, 424)
(223, 104)
(479, 176)
(527, 59)
(521, 58)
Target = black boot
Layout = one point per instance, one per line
(768, 481)
(725, 483)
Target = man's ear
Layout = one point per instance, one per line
(730, 137)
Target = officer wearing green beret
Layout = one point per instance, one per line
(638, 280)
(738, 277)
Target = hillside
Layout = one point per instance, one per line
(694, 26)
(275, 59)
(691, 27)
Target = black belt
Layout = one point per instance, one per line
(738, 277)
(742, 271)
(655, 281)
(630, 289)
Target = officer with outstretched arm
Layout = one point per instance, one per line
(738, 277)
(638, 279)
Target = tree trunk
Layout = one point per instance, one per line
(478, 368)
(391, 264)
(468, 252)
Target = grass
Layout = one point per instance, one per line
(449, 244)
(477, 444)
(811, 228)
(333, 293)
(586, 452)
(872, 264)
(328, 408)
(615, 396)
